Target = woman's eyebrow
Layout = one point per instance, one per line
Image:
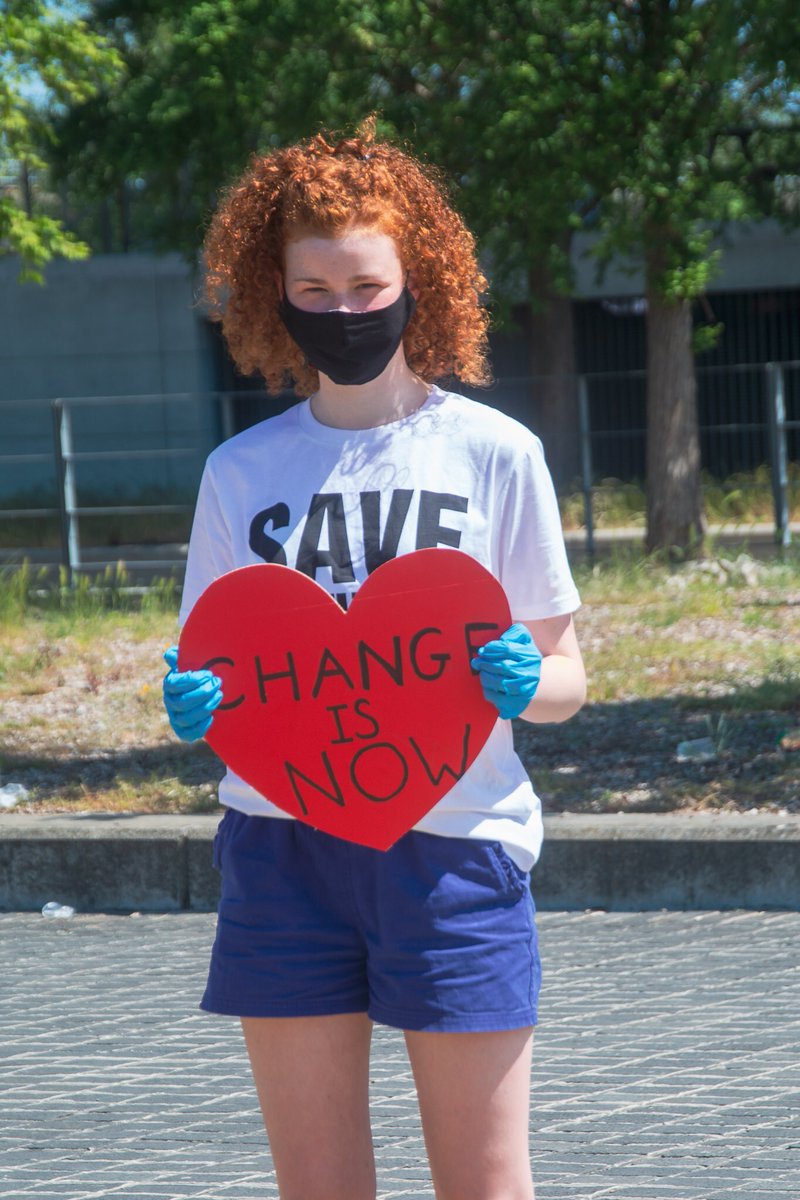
(353, 278)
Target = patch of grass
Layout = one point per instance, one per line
(662, 618)
(648, 663)
(742, 499)
(627, 577)
(124, 795)
(615, 504)
(27, 599)
(756, 618)
(779, 691)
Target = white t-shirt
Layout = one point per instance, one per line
(335, 503)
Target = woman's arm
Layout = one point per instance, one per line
(562, 684)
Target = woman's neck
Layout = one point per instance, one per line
(396, 393)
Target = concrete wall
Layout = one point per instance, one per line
(754, 256)
(114, 325)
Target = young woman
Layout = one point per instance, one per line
(343, 266)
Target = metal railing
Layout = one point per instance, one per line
(65, 456)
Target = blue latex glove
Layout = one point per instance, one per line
(190, 698)
(509, 670)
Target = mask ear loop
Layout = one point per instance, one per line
(283, 299)
(408, 289)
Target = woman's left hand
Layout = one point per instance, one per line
(509, 670)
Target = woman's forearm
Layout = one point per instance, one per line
(561, 691)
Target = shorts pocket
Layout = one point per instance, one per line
(513, 880)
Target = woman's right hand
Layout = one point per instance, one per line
(190, 698)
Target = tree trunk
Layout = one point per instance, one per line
(26, 189)
(551, 344)
(104, 225)
(675, 517)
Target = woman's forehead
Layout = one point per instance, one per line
(354, 252)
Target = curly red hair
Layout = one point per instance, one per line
(326, 186)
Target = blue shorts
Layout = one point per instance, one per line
(437, 933)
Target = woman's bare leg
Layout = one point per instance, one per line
(474, 1097)
(312, 1078)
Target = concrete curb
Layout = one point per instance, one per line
(639, 862)
(124, 862)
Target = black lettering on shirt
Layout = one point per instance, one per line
(266, 547)
(377, 550)
(310, 557)
(324, 540)
(429, 531)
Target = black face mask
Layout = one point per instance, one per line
(349, 347)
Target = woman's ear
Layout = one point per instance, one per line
(279, 284)
(411, 284)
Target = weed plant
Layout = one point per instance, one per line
(27, 595)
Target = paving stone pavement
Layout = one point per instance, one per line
(665, 1065)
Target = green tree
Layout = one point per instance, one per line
(706, 96)
(660, 120)
(47, 60)
(205, 84)
(208, 83)
(509, 98)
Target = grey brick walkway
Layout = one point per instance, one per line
(666, 1064)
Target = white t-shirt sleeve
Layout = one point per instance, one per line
(531, 557)
(210, 547)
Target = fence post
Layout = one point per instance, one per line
(63, 520)
(228, 427)
(65, 476)
(586, 462)
(779, 468)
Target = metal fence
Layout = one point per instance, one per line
(744, 423)
(611, 437)
(62, 459)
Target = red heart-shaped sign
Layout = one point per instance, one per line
(355, 722)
